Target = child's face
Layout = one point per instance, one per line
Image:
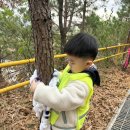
(78, 64)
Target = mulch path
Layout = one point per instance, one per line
(16, 106)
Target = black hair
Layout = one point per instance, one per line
(82, 45)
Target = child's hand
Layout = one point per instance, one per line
(34, 81)
(33, 85)
(34, 76)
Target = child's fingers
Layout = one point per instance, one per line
(33, 86)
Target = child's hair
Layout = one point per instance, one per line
(82, 45)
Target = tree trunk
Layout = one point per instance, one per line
(2, 80)
(83, 21)
(42, 34)
(0, 60)
(66, 13)
(63, 41)
(61, 27)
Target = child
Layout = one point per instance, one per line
(70, 101)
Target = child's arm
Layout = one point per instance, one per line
(69, 98)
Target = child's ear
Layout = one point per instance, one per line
(89, 63)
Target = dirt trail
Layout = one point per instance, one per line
(16, 106)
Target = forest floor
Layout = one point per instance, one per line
(16, 106)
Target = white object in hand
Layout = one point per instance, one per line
(38, 107)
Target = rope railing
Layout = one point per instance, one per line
(8, 88)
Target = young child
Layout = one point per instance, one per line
(70, 101)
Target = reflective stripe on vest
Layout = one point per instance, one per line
(65, 79)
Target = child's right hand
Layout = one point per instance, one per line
(34, 81)
(33, 77)
(33, 86)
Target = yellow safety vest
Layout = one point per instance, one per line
(65, 78)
